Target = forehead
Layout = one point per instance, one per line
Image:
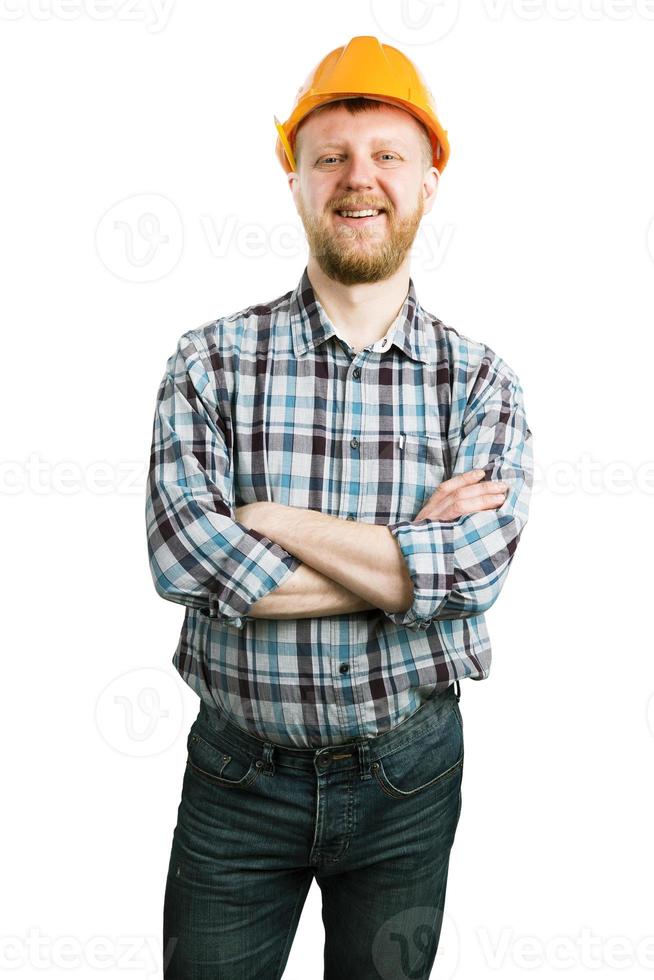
(340, 127)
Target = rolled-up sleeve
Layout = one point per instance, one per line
(458, 567)
(199, 555)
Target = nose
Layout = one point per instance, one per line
(357, 173)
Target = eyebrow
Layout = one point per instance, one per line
(375, 139)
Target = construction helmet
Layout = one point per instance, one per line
(364, 67)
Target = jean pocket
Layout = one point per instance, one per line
(429, 760)
(218, 763)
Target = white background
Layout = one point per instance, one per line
(141, 198)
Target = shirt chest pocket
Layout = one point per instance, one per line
(424, 464)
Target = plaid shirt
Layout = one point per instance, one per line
(271, 403)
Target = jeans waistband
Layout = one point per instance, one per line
(359, 749)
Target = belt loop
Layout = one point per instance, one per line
(268, 749)
(457, 689)
(364, 759)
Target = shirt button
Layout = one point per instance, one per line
(344, 668)
(351, 517)
(354, 442)
(356, 373)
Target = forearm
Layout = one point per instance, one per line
(362, 558)
(308, 594)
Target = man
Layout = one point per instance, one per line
(316, 502)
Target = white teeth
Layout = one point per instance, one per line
(358, 214)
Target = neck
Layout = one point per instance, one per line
(361, 313)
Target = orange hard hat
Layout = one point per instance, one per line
(364, 67)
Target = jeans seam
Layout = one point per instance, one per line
(285, 949)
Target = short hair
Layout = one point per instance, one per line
(361, 104)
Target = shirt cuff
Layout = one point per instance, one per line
(428, 550)
(259, 567)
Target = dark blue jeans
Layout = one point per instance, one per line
(372, 820)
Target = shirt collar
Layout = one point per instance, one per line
(311, 326)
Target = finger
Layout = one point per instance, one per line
(487, 502)
(477, 489)
(457, 506)
(461, 480)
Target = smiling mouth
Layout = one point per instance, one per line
(364, 216)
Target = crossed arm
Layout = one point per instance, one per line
(272, 561)
(348, 566)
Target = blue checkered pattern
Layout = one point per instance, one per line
(271, 403)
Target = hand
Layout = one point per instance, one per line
(463, 494)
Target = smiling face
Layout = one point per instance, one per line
(368, 160)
